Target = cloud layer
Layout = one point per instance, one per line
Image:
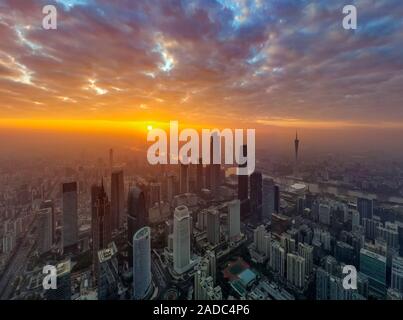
(206, 61)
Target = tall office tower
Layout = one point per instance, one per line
(137, 217)
(117, 199)
(268, 200)
(184, 178)
(306, 252)
(181, 239)
(322, 284)
(108, 273)
(336, 289)
(199, 175)
(45, 230)
(397, 274)
(276, 199)
(389, 233)
(155, 193)
(213, 226)
(343, 252)
(63, 290)
(170, 187)
(100, 222)
(370, 227)
(256, 194)
(48, 204)
(111, 160)
(365, 207)
(234, 219)
(355, 219)
(70, 214)
(296, 147)
(296, 270)
(215, 163)
(243, 184)
(277, 258)
(288, 243)
(324, 214)
(373, 266)
(142, 263)
(262, 241)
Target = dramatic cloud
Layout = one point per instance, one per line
(266, 62)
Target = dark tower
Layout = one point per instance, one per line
(137, 217)
(256, 194)
(296, 146)
(100, 222)
(243, 186)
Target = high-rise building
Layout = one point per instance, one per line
(63, 289)
(389, 233)
(117, 199)
(142, 263)
(256, 194)
(48, 204)
(277, 258)
(181, 239)
(215, 166)
(243, 185)
(296, 147)
(100, 222)
(365, 207)
(108, 273)
(199, 176)
(137, 217)
(324, 214)
(322, 284)
(204, 287)
(373, 266)
(184, 178)
(268, 198)
(276, 199)
(45, 230)
(296, 270)
(355, 219)
(262, 241)
(397, 274)
(234, 219)
(344, 252)
(306, 251)
(213, 226)
(70, 214)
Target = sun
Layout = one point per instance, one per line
(149, 127)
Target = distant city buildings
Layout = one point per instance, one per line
(70, 214)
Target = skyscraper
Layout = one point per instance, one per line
(306, 251)
(268, 200)
(108, 273)
(181, 239)
(70, 214)
(296, 270)
(142, 263)
(184, 178)
(373, 266)
(365, 207)
(48, 204)
(200, 176)
(117, 199)
(213, 226)
(215, 166)
(276, 199)
(137, 217)
(100, 222)
(277, 258)
(234, 219)
(243, 188)
(256, 194)
(45, 230)
(296, 148)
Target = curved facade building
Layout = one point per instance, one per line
(181, 239)
(141, 263)
(137, 217)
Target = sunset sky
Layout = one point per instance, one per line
(244, 63)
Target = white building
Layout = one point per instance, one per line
(181, 239)
(142, 263)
